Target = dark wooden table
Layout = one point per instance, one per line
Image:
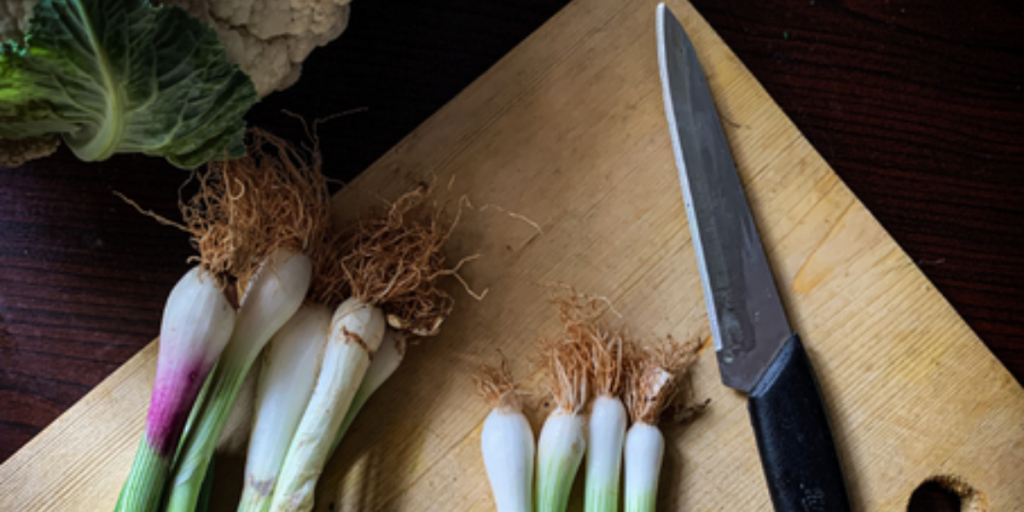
(918, 106)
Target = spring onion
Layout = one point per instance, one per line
(286, 386)
(562, 438)
(506, 441)
(656, 376)
(357, 331)
(197, 323)
(391, 264)
(273, 295)
(606, 429)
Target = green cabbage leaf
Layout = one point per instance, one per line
(123, 76)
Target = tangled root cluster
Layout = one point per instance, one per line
(658, 381)
(495, 385)
(246, 208)
(591, 357)
(394, 260)
(601, 346)
(568, 360)
(277, 197)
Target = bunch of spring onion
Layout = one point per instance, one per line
(506, 441)
(570, 364)
(281, 205)
(656, 378)
(287, 377)
(388, 265)
(229, 227)
(588, 356)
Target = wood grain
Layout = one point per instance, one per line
(575, 140)
(916, 105)
(82, 281)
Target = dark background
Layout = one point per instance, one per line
(917, 105)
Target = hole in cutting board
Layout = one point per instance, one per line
(947, 493)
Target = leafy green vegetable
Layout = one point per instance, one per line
(121, 76)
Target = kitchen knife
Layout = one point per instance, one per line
(758, 353)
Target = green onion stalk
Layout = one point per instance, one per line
(385, 362)
(562, 440)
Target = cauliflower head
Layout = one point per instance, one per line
(14, 16)
(269, 39)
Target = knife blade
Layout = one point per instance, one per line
(757, 351)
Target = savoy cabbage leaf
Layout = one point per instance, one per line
(123, 76)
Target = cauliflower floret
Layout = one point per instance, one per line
(14, 19)
(269, 39)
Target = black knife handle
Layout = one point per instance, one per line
(793, 436)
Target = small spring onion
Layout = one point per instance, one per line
(655, 379)
(197, 323)
(606, 429)
(605, 437)
(562, 439)
(645, 447)
(506, 441)
(286, 382)
(559, 453)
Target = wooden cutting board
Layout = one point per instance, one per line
(563, 149)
